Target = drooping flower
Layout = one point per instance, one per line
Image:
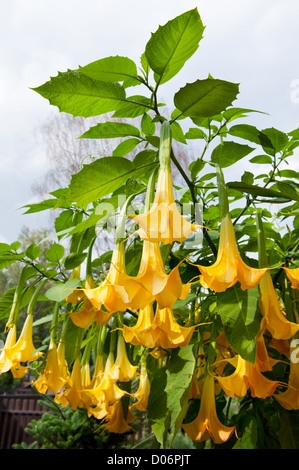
(289, 399)
(274, 318)
(122, 369)
(166, 289)
(23, 350)
(143, 391)
(5, 362)
(293, 275)
(229, 267)
(142, 333)
(207, 423)
(163, 221)
(118, 291)
(55, 374)
(170, 334)
(115, 421)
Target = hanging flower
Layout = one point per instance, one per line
(142, 333)
(122, 369)
(289, 399)
(143, 391)
(5, 362)
(115, 421)
(229, 267)
(55, 374)
(166, 289)
(170, 334)
(274, 318)
(118, 291)
(293, 275)
(23, 350)
(207, 423)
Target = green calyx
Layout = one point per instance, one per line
(165, 146)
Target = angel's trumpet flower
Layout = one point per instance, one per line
(163, 222)
(293, 275)
(122, 369)
(55, 374)
(207, 424)
(274, 318)
(170, 334)
(289, 399)
(229, 267)
(115, 421)
(166, 289)
(142, 392)
(142, 333)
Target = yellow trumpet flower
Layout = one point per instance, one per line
(207, 423)
(166, 289)
(274, 318)
(229, 267)
(118, 291)
(115, 421)
(142, 333)
(163, 222)
(122, 369)
(293, 275)
(169, 333)
(23, 350)
(5, 362)
(55, 374)
(289, 399)
(142, 392)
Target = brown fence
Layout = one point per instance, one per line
(16, 411)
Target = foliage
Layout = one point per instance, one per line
(231, 334)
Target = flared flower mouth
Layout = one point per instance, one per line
(164, 222)
(229, 268)
(207, 423)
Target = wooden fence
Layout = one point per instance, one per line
(16, 411)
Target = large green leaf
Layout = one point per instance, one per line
(77, 94)
(228, 153)
(158, 413)
(179, 373)
(173, 44)
(101, 177)
(109, 130)
(111, 69)
(205, 98)
(240, 316)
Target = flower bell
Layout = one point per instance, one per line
(163, 222)
(289, 399)
(142, 333)
(142, 392)
(293, 275)
(229, 267)
(207, 423)
(170, 334)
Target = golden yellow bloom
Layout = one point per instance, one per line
(75, 392)
(23, 350)
(207, 423)
(142, 392)
(55, 374)
(169, 333)
(166, 289)
(229, 267)
(142, 333)
(245, 376)
(290, 398)
(118, 291)
(122, 369)
(163, 222)
(274, 319)
(5, 362)
(293, 275)
(115, 421)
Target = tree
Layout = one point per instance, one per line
(190, 319)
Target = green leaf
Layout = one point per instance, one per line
(8, 259)
(77, 94)
(125, 147)
(40, 206)
(132, 107)
(72, 261)
(158, 412)
(55, 253)
(148, 127)
(111, 69)
(173, 44)
(228, 153)
(109, 130)
(195, 133)
(61, 290)
(278, 140)
(205, 98)
(264, 159)
(177, 132)
(102, 177)
(235, 113)
(249, 430)
(179, 373)
(240, 316)
(33, 251)
(251, 133)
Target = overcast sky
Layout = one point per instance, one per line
(251, 42)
